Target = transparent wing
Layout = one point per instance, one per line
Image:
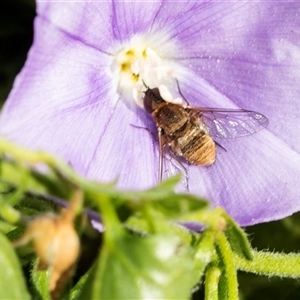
(231, 123)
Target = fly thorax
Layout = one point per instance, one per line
(172, 118)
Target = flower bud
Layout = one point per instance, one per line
(57, 246)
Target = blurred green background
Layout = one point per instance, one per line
(16, 35)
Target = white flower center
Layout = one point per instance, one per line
(138, 67)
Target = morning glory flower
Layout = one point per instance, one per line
(79, 95)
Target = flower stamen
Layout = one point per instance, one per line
(138, 67)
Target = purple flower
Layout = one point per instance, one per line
(74, 96)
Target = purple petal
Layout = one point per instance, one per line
(73, 118)
(79, 21)
(255, 64)
(233, 54)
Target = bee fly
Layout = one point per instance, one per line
(188, 131)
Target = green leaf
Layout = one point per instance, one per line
(159, 267)
(77, 289)
(159, 193)
(169, 205)
(12, 283)
(15, 233)
(176, 205)
(13, 174)
(6, 227)
(167, 184)
(8, 213)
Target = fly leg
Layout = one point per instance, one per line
(180, 93)
(220, 146)
(183, 168)
(145, 128)
(161, 144)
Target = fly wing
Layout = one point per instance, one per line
(231, 123)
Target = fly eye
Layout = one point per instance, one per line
(148, 104)
(152, 99)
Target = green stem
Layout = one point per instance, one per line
(113, 227)
(229, 266)
(56, 166)
(212, 278)
(270, 264)
(22, 155)
(205, 250)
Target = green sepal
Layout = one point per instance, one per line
(237, 238)
(40, 282)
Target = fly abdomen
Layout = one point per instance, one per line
(196, 147)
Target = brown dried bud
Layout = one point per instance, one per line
(57, 245)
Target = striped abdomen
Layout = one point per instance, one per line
(185, 134)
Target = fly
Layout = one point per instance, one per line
(187, 131)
